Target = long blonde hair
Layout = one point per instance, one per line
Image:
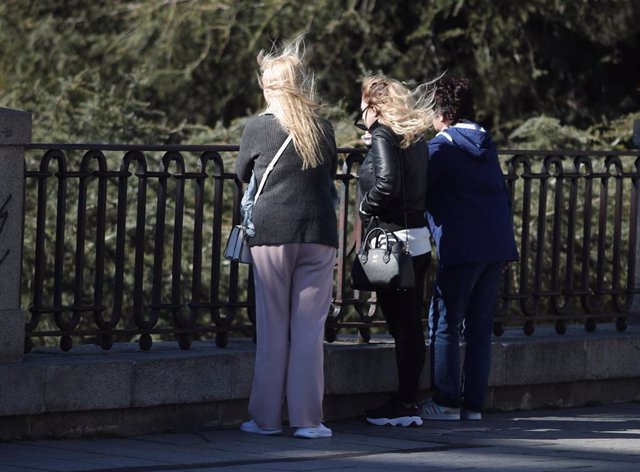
(409, 113)
(290, 92)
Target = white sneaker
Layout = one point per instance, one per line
(312, 433)
(252, 427)
(470, 415)
(430, 410)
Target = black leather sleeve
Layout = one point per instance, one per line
(384, 160)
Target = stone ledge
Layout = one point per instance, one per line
(230, 413)
(111, 392)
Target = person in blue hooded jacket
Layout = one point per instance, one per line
(469, 216)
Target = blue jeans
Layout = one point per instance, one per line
(464, 295)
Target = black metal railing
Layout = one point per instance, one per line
(125, 242)
(576, 215)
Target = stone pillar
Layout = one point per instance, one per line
(15, 132)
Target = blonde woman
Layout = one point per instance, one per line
(393, 187)
(294, 248)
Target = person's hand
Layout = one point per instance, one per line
(360, 210)
(366, 138)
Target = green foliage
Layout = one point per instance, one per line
(161, 71)
(618, 133)
(544, 132)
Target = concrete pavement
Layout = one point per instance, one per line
(601, 438)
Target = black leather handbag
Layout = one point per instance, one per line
(383, 263)
(237, 248)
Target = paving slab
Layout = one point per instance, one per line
(600, 438)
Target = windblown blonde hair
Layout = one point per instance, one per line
(409, 113)
(290, 89)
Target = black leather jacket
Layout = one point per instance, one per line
(380, 181)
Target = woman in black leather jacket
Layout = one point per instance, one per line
(396, 119)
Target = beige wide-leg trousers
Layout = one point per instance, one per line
(293, 290)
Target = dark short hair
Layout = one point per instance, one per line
(454, 99)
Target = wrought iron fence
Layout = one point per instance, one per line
(576, 218)
(125, 242)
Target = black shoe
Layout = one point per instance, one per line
(394, 414)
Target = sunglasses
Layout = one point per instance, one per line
(357, 123)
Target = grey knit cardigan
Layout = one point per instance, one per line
(296, 206)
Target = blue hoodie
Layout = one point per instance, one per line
(468, 205)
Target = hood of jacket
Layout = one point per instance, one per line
(471, 137)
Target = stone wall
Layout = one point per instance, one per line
(127, 391)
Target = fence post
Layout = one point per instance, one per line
(635, 305)
(15, 132)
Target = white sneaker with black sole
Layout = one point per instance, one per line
(394, 414)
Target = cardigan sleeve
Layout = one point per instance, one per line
(331, 138)
(246, 154)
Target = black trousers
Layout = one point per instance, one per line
(403, 311)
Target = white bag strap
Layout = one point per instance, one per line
(270, 167)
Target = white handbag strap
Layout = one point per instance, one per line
(270, 167)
